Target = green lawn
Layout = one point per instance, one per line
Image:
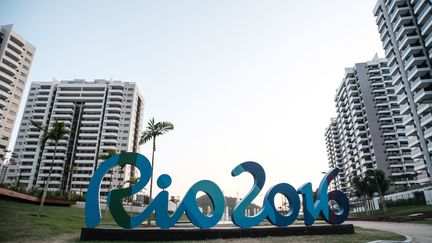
(19, 223)
(399, 210)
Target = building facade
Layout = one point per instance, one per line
(405, 28)
(334, 155)
(16, 57)
(100, 116)
(367, 133)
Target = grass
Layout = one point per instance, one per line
(399, 210)
(423, 221)
(19, 223)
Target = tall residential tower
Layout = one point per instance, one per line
(367, 133)
(405, 28)
(101, 116)
(16, 56)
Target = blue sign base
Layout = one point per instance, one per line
(178, 234)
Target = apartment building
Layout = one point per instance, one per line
(367, 133)
(101, 115)
(334, 155)
(405, 29)
(16, 56)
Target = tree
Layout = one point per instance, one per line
(57, 131)
(132, 180)
(362, 190)
(380, 184)
(152, 131)
(106, 156)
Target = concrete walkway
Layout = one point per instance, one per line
(417, 232)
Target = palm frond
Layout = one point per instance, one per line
(38, 125)
(44, 139)
(155, 129)
(108, 155)
(58, 131)
(145, 137)
(164, 126)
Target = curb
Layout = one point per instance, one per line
(408, 239)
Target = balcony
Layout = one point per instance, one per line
(426, 119)
(424, 108)
(399, 89)
(405, 30)
(428, 40)
(399, 11)
(417, 71)
(411, 50)
(422, 95)
(408, 40)
(425, 29)
(428, 133)
(62, 117)
(6, 69)
(416, 152)
(412, 141)
(14, 47)
(401, 21)
(14, 64)
(424, 14)
(410, 130)
(420, 83)
(418, 6)
(414, 61)
(419, 164)
(401, 98)
(405, 109)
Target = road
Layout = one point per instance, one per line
(418, 232)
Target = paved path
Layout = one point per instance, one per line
(418, 232)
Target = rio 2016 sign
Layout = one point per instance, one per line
(311, 208)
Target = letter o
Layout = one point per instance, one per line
(192, 210)
(291, 194)
(343, 203)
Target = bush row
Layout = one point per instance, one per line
(37, 192)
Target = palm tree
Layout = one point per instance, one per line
(57, 131)
(380, 184)
(132, 180)
(361, 190)
(152, 131)
(106, 156)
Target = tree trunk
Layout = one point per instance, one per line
(366, 206)
(383, 203)
(109, 189)
(68, 179)
(47, 183)
(151, 180)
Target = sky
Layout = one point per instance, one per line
(241, 80)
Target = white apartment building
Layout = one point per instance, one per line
(367, 133)
(334, 155)
(405, 28)
(100, 115)
(16, 56)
